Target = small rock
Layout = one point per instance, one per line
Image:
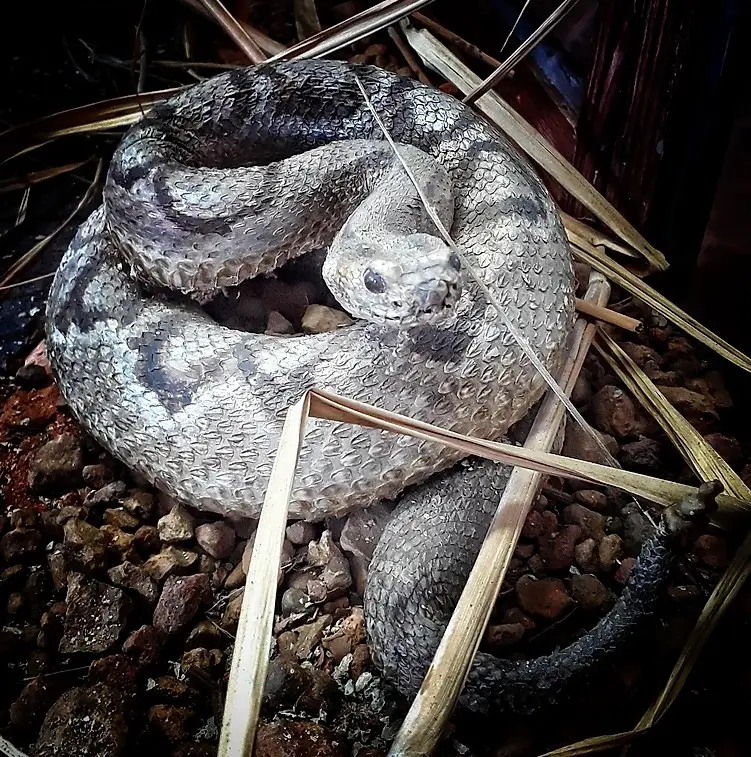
(533, 525)
(309, 739)
(610, 551)
(642, 456)
(294, 601)
(146, 540)
(614, 412)
(236, 578)
(86, 721)
(588, 592)
(206, 634)
(97, 475)
(301, 532)
(140, 504)
(120, 518)
(698, 409)
(57, 465)
(546, 597)
(121, 543)
(587, 556)
(24, 518)
(318, 591)
(320, 552)
(170, 722)
(336, 575)
(310, 635)
(232, 613)
(504, 635)
(15, 603)
(200, 661)
(136, 579)
(20, 545)
(170, 561)
(516, 615)
(109, 494)
(728, 448)
(32, 376)
(96, 616)
(578, 444)
(558, 551)
(28, 711)
(582, 391)
(712, 551)
(360, 661)
(591, 523)
(216, 539)
(176, 526)
(143, 645)
(319, 319)
(320, 692)
(278, 324)
(285, 681)
(85, 544)
(363, 529)
(592, 499)
(181, 598)
(169, 689)
(116, 670)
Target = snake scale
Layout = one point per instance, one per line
(226, 181)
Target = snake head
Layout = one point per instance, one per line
(410, 280)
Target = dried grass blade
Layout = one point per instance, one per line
(522, 51)
(609, 316)
(8, 750)
(432, 707)
(29, 256)
(695, 450)
(324, 404)
(440, 58)
(635, 286)
(579, 229)
(250, 658)
(100, 116)
(36, 177)
(352, 29)
(234, 30)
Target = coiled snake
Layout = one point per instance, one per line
(237, 174)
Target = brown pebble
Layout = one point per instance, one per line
(360, 661)
(712, 551)
(320, 319)
(610, 551)
(546, 597)
(587, 557)
(588, 591)
(504, 635)
(592, 499)
(591, 523)
(558, 551)
(533, 525)
(516, 615)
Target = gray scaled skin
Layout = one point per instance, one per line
(239, 173)
(422, 562)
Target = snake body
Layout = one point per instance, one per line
(229, 179)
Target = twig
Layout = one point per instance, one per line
(352, 29)
(466, 47)
(27, 257)
(539, 34)
(606, 315)
(27, 281)
(235, 30)
(409, 57)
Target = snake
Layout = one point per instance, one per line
(226, 181)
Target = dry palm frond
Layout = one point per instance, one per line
(100, 116)
(635, 286)
(33, 253)
(437, 56)
(8, 750)
(431, 708)
(250, 657)
(521, 52)
(307, 22)
(608, 316)
(352, 29)
(578, 229)
(36, 177)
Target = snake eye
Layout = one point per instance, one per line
(455, 263)
(374, 282)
